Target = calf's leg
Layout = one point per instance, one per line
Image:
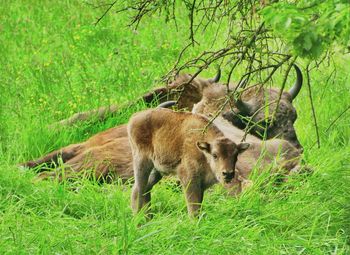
(141, 190)
(194, 194)
(154, 178)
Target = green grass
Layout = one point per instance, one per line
(55, 62)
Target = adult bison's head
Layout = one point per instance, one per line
(258, 111)
(188, 90)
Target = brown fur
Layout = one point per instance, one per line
(188, 93)
(175, 143)
(106, 154)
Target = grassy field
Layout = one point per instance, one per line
(55, 62)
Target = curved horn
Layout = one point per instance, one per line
(166, 104)
(294, 91)
(216, 78)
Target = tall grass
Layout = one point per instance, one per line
(55, 62)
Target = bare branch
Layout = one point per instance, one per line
(312, 106)
(191, 22)
(106, 11)
(282, 88)
(337, 118)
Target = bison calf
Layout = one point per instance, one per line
(181, 144)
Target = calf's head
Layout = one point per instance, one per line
(221, 155)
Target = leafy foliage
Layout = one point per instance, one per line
(310, 28)
(304, 29)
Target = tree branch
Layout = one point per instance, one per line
(312, 105)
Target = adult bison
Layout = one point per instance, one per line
(185, 90)
(248, 112)
(104, 156)
(107, 154)
(264, 112)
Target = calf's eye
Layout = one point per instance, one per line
(215, 156)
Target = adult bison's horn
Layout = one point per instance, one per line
(216, 78)
(294, 91)
(166, 104)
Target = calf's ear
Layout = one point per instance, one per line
(242, 147)
(203, 146)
